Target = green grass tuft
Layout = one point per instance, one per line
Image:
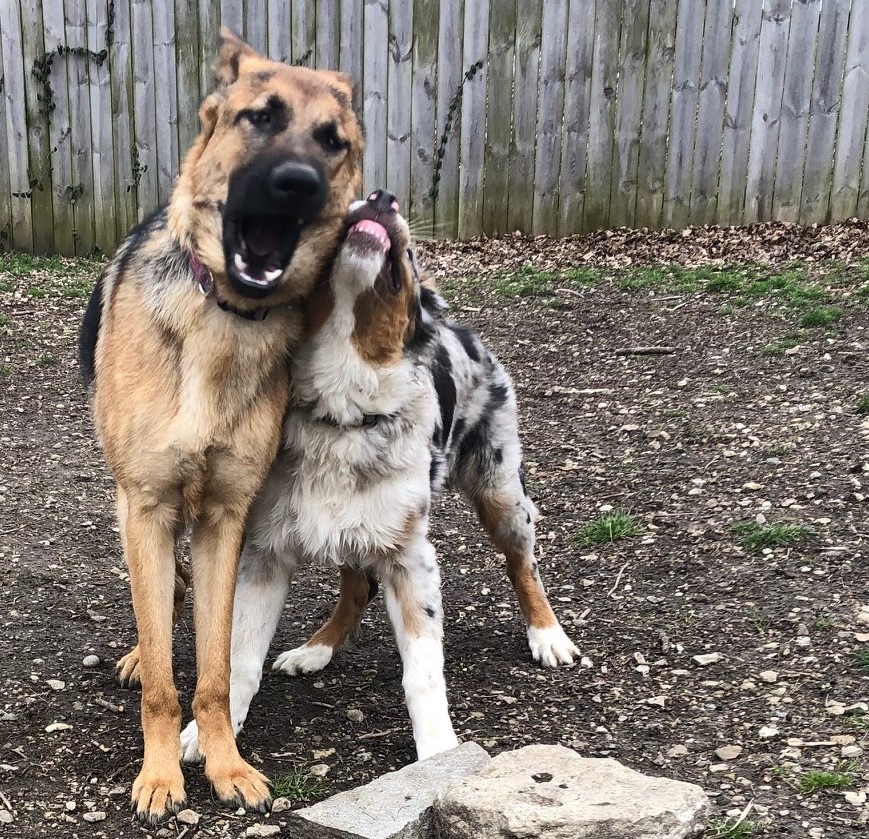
(779, 347)
(821, 316)
(727, 829)
(818, 780)
(861, 660)
(863, 404)
(608, 527)
(755, 537)
(298, 785)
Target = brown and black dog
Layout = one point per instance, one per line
(185, 347)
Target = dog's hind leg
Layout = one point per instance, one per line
(357, 591)
(261, 590)
(411, 590)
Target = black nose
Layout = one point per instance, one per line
(292, 179)
(383, 201)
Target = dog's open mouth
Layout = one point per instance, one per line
(260, 248)
(370, 237)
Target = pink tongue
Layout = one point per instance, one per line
(375, 230)
(262, 237)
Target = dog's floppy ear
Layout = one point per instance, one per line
(231, 51)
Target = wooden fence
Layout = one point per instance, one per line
(573, 114)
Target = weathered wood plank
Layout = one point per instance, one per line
(351, 35)
(795, 108)
(102, 147)
(499, 114)
(824, 111)
(423, 114)
(209, 26)
(550, 116)
(766, 120)
(279, 30)
(166, 81)
(398, 99)
(39, 148)
(376, 50)
(601, 127)
(738, 111)
(328, 35)
(472, 145)
(652, 166)
(304, 38)
(852, 121)
(529, 31)
(145, 174)
(5, 191)
(187, 64)
(710, 111)
(82, 189)
(232, 15)
(686, 77)
(121, 76)
(256, 24)
(629, 112)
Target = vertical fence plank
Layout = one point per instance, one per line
(652, 166)
(738, 110)
(101, 129)
(16, 126)
(472, 147)
(39, 150)
(686, 76)
(350, 57)
(796, 105)
(255, 25)
(423, 110)
(852, 122)
(578, 72)
(398, 100)
(499, 114)
(80, 107)
(232, 15)
(529, 25)
(209, 26)
(279, 30)
(376, 47)
(121, 75)
(145, 173)
(187, 63)
(550, 115)
(629, 111)
(5, 190)
(766, 120)
(824, 111)
(710, 111)
(166, 81)
(304, 39)
(601, 127)
(449, 77)
(328, 35)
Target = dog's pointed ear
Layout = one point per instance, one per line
(231, 52)
(345, 84)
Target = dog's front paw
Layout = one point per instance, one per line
(428, 746)
(550, 646)
(158, 793)
(190, 743)
(308, 658)
(127, 669)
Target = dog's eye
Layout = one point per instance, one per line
(327, 136)
(261, 119)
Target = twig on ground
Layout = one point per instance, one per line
(645, 351)
(618, 580)
(109, 706)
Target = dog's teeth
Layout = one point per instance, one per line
(240, 264)
(271, 276)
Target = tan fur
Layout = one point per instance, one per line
(188, 404)
(348, 611)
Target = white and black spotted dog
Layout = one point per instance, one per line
(389, 399)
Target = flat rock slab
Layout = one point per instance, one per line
(394, 806)
(549, 792)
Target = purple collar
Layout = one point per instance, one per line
(205, 282)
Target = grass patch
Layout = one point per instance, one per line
(298, 785)
(4, 321)
(528, 281)
(5, 370)
(46, 361)
(863, 404)
(37, 291)
(609, 527)
(756, 537)
(821, 316)
(779, 347)
(861, 660)
(818, 780)
(728, 829)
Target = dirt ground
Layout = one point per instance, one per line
(751, 414)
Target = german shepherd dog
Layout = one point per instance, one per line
(389, 398)
(185, 346)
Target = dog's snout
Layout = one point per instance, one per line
(293, 179)
(383, 201)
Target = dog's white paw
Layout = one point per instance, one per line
(190, 743)
(430, 746)
(308, 658)
(550, 646)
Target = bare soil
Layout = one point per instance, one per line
(721, 430)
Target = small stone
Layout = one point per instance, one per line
(91, 661)
(851, 751)
(767, 732)
(752, 485)
(769, 676)
(319, 770)
(263, 830)
(802, 629)
(355, 715)
(70, 806)
(280, 805)
(719, 767)
(729, 752)
(659, 701)
(188, 817)
(706, 659)
(677, 751)
(5, 817)
(320, 754)
(56, 684)
(803, 641)
(96, 816)
(57, 726)
(857, 797)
